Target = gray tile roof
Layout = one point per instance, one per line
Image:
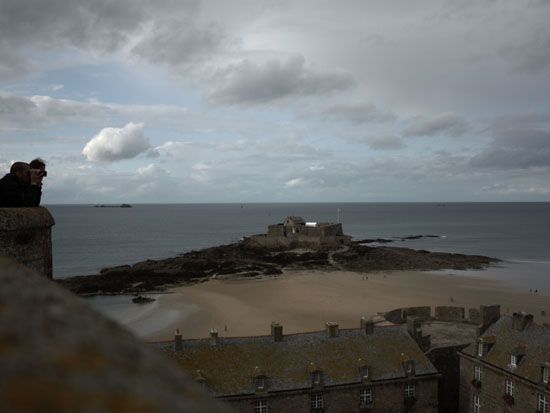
(231, 366)
(534, 341)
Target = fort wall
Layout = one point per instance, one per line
(25, 235)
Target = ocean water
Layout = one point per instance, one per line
(86, 239)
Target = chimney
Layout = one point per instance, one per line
(213, 337)
(414, 327)
(332, 329)
(276, 331)
(178, 342)
(367, 325)
(489, 315)
(521, 320)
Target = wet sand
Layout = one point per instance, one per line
(305, 300)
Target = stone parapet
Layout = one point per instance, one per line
(58, 355)
(25, 235)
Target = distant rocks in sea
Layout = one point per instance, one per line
(113, 206)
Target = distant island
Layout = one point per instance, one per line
(292, 245)
(113, 206)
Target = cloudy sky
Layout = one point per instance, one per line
(278, 100)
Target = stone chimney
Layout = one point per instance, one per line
(276, 331)
(521, 320)
(367, 325)
(214, 337)
(332, 328)
(489, 315)
(178, 341)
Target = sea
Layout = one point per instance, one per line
(87, 239)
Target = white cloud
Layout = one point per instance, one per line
(295, 183)
(113, 144)
(200, 172)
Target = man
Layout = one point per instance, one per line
(22, 187)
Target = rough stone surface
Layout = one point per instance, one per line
(449, 313)
(58, 355)
(25, 235)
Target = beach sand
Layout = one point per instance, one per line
(305, 300)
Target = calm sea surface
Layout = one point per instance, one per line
(86, 239)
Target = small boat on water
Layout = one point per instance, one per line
(142, 299)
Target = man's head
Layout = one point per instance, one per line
(21, 170)
(38, 164)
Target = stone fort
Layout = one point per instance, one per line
(295, 232)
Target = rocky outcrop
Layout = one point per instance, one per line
(242, 260)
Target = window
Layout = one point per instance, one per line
(477, 403)
(317, 377)
(260, 406)
(316, 402)
(477, 373)
(513, 360)
(546, 374)
(365, 373)
(509, 387)
(543, 404)
(260, 383)
(366, 395)
(409, 390)
(480, 349)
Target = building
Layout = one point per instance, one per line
(295, 232)
(507, 368)
(368, 369)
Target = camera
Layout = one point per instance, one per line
(40, 172)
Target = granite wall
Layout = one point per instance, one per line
(25, 235)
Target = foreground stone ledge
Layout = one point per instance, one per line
(25, 235)
(58, 355)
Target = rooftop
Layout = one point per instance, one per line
(534, 340)
(231, 366)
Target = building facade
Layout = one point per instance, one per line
(507, 368)
(369, 369)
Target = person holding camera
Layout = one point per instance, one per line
(22, 187)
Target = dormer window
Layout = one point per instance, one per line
(316, 378)
(260, 383)
(545, 374)
(364, 373)
(480, 349)
(513, 360)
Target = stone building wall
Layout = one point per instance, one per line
(493, 388)
(449, 313)
(25, 235)
(387, 397)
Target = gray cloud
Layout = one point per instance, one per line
(359, 113)
(449, 124)
(389, 142)
(113, 144)
(516, 149)
(253, 83)
(175, 43)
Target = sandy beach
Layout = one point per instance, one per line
(304, 300)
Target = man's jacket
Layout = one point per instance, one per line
(13, 194)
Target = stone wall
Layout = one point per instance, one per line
(492, 389)
(58, 355)
(387, 397)
(25, 235)
(449, 313)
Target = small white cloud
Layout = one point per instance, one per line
(55, 88)
(113, 144)
(200, 172)
(295, 183)
(316, 168)
(151, 170)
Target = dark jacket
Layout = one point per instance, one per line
(13, 194)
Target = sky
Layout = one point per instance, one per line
(278, 100)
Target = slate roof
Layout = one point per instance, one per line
(534, 341)
(231, 366)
